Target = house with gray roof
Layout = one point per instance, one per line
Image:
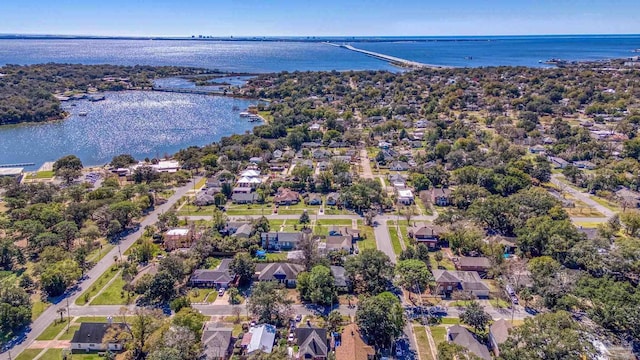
(312, 343)
(448, 281)
(459, 335)
(216, 342)
(280, 240)
(284, 273)
(498, 334)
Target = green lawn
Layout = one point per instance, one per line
(239, 210)
(28, 354)
(423, 342)
(450, 321)
(201, 183)
(192, 210)
(439, 334)
(99, 319)
(41, 175)
(274, 225)
(197, 295)
(67, 335)
(113, 294)
(93, 290)
(609, 205)
(97, 254)
(446, 262)
(366, 233)
(87, 357)
(461, 303)
(38, 307)
(53, 330)
(332, 210)
(338, 222)
(277, 257)
(52, 354)
(395, 240)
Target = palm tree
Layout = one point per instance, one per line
(61, 311)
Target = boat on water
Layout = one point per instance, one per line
(245, 114)
(82, 113)
(636, 50)
(557, 62)
(254, 118)
(235, 108)
(95, 98)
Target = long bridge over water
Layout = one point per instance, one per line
(391, 59)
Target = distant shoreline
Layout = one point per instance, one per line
(311, 39)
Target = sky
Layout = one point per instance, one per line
(318, 18)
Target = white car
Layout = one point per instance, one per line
(221, 292)
(291, 337)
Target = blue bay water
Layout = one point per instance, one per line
(152, 124)
(142, 123)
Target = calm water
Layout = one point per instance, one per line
(152, 124)
(140, 123)
(258, 56)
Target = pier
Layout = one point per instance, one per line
(16, 165)
(190, 91)
(391, 59)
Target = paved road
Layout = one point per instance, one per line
(383, 239)
(584, 197)
(47, 317)
(366, 164)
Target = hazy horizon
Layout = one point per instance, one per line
(371, 18)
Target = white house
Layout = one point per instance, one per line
(90, 337)
(405, 196)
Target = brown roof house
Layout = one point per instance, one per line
(351, 346)
(179, 238)
(427, 234)
(468, 263)
(498, 334)
(461, 336)
(286, 197)
(448, 281)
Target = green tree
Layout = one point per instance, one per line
(122, 161)
(317, 286)
(631, 221)
(413, 275)
(234, 295)
(15, 309)
(475, 316)
(269, 303)
(162, 288)
(68, 167)
(55, 279)
(191, 319)
(548, 336)
(243, 266)
(370, 271)
(304, 218)
(381, 319)
(334, 320)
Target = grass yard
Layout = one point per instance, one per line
(201, 183)
(604, 202)
(102, 280)
(37, 307)
(338, 222)
(239, 210)
(53, 330)
(52, 354)
(193, 210)
(276, 257)
(423, 342)
(197, 295)
(439, 334)
(41, 175)
(67, 335)
(266, 115)
(87, 357)
(366, 234)
(450, 321)
(395, 240)
(28, 354)
(274, 225)
(446, 262)
(113, 294)
(99, 319)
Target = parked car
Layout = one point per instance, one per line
(291, 337)
(298, 318)
(221, 292)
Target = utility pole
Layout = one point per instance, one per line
(68, 316)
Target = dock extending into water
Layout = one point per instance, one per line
(16, 165)
(391, 59)
(190, 91)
